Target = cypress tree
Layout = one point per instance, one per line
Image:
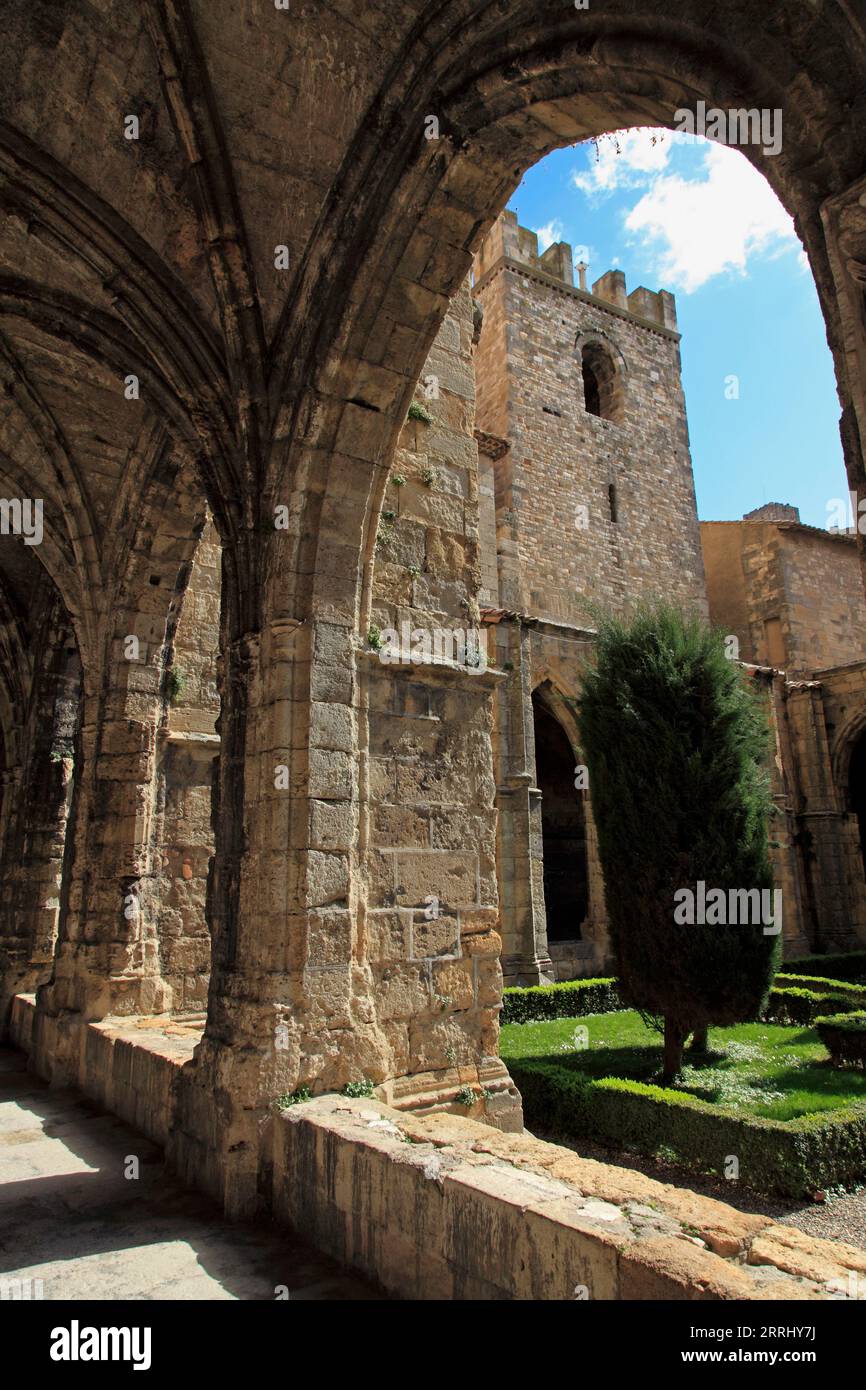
(676, 742)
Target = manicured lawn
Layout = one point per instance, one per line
(754, 1068)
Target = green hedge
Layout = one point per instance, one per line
(569, 999)
(850, 966)
(576, 998)
(794, 1158)
(844, 1036)
(803, 1006)
(820, 984)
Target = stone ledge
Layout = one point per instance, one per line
(436, 1206)
(127, 1065)
(442, 1207)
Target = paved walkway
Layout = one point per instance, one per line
(70, 1218)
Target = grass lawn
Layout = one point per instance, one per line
(754, 1068)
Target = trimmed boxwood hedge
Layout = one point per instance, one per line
(568, 999)
(794, 1158)
(844, 1036)
(850, 966)
(803, 1006)
(820, 984)
(576, 998)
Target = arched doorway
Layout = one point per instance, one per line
(563, 828)
(857, 792)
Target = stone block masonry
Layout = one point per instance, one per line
(594, 510)
(441, 1207)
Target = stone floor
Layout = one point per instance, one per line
(71, 1219)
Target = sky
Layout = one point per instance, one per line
(685, 214)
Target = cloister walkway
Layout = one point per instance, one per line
(70, 1218)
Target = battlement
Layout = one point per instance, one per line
(508, 240)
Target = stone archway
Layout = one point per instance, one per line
(857, 791)
(563, 829)
(389, 254)
(290, 390)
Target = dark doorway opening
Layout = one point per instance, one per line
(563, 828)
(591, 392)
(857, 791)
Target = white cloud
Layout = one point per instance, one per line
(624, 160)
(551, 231)
(697, 228)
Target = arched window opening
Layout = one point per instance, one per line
(857, 791)
(563, 828)
(591, 394)
(602, 383)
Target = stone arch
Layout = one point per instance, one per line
(560, 703)
(393, 244)
(563, 823)
(844, 743)
(417, 216)
(40, 691)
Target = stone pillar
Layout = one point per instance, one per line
(37, 799)
(789, 854)
(821, 821)
(287, 998)
(525, 957)
(331, 964)
(107, 957)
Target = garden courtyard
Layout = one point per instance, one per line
(764, 1069)
(765, 1094)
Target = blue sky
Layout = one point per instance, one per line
(681, 213)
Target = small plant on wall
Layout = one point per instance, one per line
(177, 683)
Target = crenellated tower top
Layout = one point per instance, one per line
(508, 241)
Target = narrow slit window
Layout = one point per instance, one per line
(611, 501)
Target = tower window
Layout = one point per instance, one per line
(602, 384)
(591, 394)
(611, 501)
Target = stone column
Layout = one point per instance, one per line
(288, 1000)
(107, 957)
(525, 957)
(37, 799)
(821, 822)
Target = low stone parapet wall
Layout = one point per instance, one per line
(439, 1207)
(129, 1065)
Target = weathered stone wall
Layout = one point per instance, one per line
(805, 580)
(793, 597)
